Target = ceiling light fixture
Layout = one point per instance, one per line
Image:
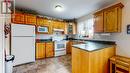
(59, 8)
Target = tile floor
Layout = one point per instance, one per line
(51, 65)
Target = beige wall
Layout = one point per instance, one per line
(122, 39)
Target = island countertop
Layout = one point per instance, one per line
(93, 46)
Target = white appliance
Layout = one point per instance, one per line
(60, 48)
(43, 29)
(60, 43)
(58, 30)
(23, 43)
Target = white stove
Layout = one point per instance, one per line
(60, 44)
(60, 48)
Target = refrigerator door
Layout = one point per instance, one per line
(22, 30)
(24, 49)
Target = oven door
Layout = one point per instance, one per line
(60, 45)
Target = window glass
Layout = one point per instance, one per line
(85, 28)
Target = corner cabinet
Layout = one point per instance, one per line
(109, 20)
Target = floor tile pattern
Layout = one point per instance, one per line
(50, 65)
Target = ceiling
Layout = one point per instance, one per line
(72, 8)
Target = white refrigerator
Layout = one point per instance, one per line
(23, 43)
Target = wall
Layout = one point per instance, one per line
(122, 39)
(43, 36)
(1, 42)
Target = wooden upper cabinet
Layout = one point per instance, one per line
(18, 18)
(74, 28)
(55, 25)
(98, 22)
(49, 49)
(109, 20)
(40, 21)
(46, 22)
(30, 19)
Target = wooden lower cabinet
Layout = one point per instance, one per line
(40, 50)
(69, 47)
(91, 62)
(44, 50)
(49, 50)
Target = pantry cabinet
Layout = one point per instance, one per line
(40, 50)
(30, 19)
(18, 18)
(108, 20)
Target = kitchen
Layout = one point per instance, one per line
(90, 39)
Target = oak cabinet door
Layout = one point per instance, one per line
(55, 24)
(98, 22)
(46, 22)
(111, 20)
(18, 18)
(40, 21)
(49, 50)
(30, 19)
(40, 50)
(69, 47)
(76, 60)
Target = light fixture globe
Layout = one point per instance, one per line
(59, 8)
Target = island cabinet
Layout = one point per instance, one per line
(97, 61)
(108, 20)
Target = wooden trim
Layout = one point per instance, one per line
(112, 6)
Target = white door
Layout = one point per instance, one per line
(24, 49)
(22, 30)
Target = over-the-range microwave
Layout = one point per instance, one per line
(42, 29)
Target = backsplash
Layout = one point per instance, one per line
(47, 36)
(43, 36)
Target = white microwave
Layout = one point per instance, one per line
(42, 29)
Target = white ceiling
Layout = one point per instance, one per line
(72, 8)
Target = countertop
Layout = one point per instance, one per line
(93, 46)
(44, 40)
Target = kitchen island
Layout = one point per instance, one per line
(92, 57)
